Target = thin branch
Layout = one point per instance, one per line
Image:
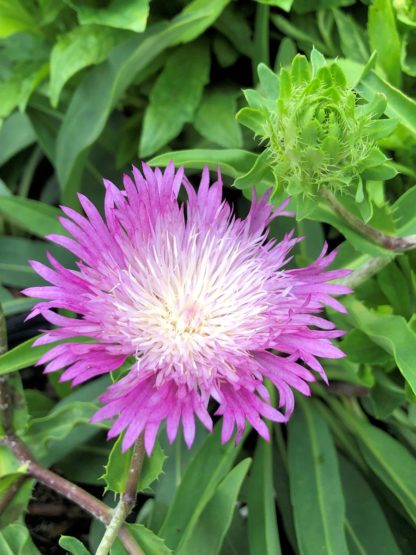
(389, 242)
(367, 270)
(127, 500)
(71, 491)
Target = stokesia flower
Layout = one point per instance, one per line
(197, 299)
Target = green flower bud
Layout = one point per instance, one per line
(317, 131)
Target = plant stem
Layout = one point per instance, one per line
(367, 270)
(387, 241)
(127, 500)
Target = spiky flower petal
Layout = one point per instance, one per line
(198, 299)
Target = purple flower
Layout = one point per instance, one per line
(196, 298)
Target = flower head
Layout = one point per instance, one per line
(197, 299)
(317, 130)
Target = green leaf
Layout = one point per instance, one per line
(405, 213)
(209, 466)
(32, 215)
(353, 41)
(16, 90)
(391, 333)
(73, 546)
(232, 162)
(17, 507)
(117, 468)
(14, 254)
(102, 86)
(282, 4)
(263, 533)
(260, 175)
(16, 133)
(366, 526)
(394, 286)
(81, 47)
(315, 484)
(15, 540)
(300, 33)
(399, 106)
(17, 305)
(215, 118)
(57, 425)
(253, 119)
(385, 39)
(171, 104)
(15, 18)
(121, 14)
(390, 461)
(211, 528)
(21, 356)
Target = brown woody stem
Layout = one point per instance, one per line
(389, 242)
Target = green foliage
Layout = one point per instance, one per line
(86, 89)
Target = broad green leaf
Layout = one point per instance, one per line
(14, 255)
(16, 90)
(81, 47)
(353, 41)
(260, 175)
(121, 14)
(385, 39)
(15, 18)
(359, 349)
(21, 356)
(405, 213)
(304, 6)
(263, 533)
(57, 425)
(17, 305)
(208, 467)
(366, 526)
(282, 4)
(211, 528)
(298, 32)
(73, 546)
(103, 86)
(15, 540)
(215, 118)
(395, 287)
(117, 468)
(315, 484)
(390, 461)
(34, 216)
(171, 104)
(390, 332)
(233, 25)
(399, 106)
(16, 133)
(232, 162)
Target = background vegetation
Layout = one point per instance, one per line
(87, 88)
